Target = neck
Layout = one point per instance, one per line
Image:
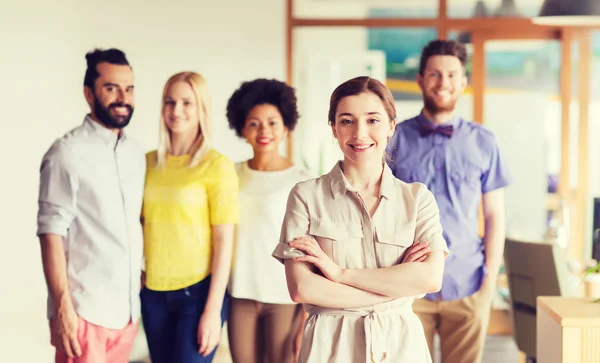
(268, 161)
(363, 176)
(118, 132)
(438, 118)
(182, 143)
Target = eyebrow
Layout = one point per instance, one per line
(268, 118)
(115, 85)
(184, 98)
(351, 115)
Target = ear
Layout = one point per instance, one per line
(420, 81)
(332, 125)
(392, 127)
(465, 82)
(89, 95)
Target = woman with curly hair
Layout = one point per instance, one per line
(264, 323)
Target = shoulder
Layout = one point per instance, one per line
(414, 191)
(307, 187)
(135, 146)
(239, 166)
(480, 132)
(217, 161)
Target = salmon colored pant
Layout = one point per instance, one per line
(99, 344)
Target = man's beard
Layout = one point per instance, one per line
(434, 107)
(103, 114)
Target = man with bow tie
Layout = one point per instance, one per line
(460, 163)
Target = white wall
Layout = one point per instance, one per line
(42, 63)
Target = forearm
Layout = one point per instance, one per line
(308, 287)
(403, 280)
(221, 267)
(494, 244)
(55, 269)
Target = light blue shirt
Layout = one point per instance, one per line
(457, 170)
(91, 188)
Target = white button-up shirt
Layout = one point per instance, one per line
(91, 188)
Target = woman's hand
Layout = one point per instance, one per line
(316, 256)
(418, 252)
(209, 332)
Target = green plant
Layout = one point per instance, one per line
(592, 270)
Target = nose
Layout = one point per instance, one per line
(360, 130)
(444, 80)
(178, 109)
(121, 96)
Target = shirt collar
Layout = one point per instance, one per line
(340, 185)
(102, 132)
(422, 119)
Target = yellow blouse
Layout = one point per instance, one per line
(180, 206)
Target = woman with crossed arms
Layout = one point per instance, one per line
(359, 245)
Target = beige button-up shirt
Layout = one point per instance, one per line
(330, 209)
(91, 188)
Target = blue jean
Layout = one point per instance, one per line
(171, 319)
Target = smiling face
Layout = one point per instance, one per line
(264, 128)
(111, 100)
(180, 109)
(442, 82)
(362, 128)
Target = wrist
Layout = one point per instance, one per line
(62, 302)
(212, 309)
(345, 276)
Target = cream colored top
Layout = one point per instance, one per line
(330, 209)
(263, 195)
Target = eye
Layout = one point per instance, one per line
(253, 124)
(111, 88)
(187, 103)
(272, 123)
(169, 103)
(345, 121)
(373, 120)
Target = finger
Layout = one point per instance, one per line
(303, 246)
(423, 258)
(75, 348)
(307, 258)
(204, 343)
(67, 347)
(415, 255)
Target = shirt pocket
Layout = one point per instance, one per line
(391, 243)
(467, 180)
(340, 241)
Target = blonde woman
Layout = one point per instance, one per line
(190, 208)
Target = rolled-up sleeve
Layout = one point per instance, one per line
(295, 224)
(428, 228)
(57, 198)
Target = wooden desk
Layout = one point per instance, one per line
(568, 330)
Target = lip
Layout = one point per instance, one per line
(359, 148)
(121, 111)
(264, 141)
